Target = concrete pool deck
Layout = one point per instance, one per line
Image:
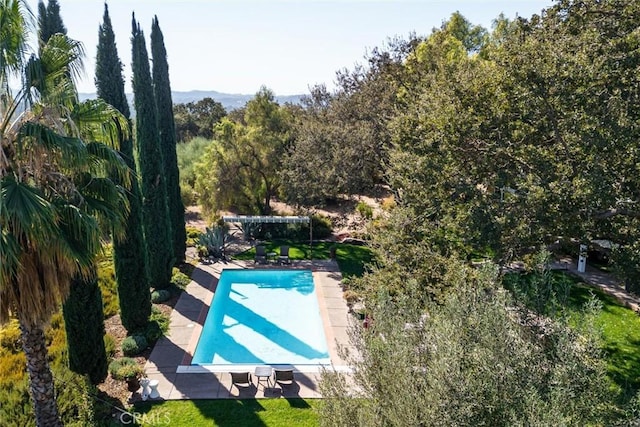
(170, 360)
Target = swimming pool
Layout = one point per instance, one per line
(263, 317)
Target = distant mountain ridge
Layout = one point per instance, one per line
(229, 101)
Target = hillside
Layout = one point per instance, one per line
(230, 101)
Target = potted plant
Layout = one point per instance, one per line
(127, 369)
(132, 374)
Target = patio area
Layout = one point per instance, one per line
(170, 360)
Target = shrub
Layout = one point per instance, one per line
(322, 226)
(125, 368)
(74, 397)
(188, 195)
(388, 203)
(161, 295)
(174, 289)
(108, 286)
(180, 279)
(161, 319)
(134, 344)
(249, 230)
(153, 332)
(192, 232)
(274, 231)
(548, 376)
(12, 368)
(364, 210)
(351, 296)
(56, 337)
(185, 268)
(10, 337)
(192, 235)
(203, 252)
(626, 263)
(16, 409)
(109, 345)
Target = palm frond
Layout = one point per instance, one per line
(50, 77)
(105, 199)
(80, 233)
(63, 55)
(99, 121)
(33, 80)
(104, 156)
(10, 112)
(14, 34)
(41, 285)
(10, 252)
(72, 150)
(28, 215)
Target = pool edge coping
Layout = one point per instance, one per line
(169, 373)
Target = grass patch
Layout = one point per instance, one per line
(620, 326)
(297, 250)
(621, 333)
(229, 412)
(351, 258)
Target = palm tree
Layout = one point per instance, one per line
(55, 187)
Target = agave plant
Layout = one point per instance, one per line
(214, 239)
(249, 229)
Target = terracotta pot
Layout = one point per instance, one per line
(133, 384)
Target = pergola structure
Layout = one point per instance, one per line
(264, 219)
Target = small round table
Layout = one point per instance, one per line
(153, 386)
(144, 382)
(263, 373)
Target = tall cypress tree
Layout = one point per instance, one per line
(43, 30)
(129, 251)
(83, 313)
(49, 21)
(157, 226)
(54, 20)
(167, 129)
(84, 324)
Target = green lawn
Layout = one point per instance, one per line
(227, 412)
(351, 258)
(621, 333)
(620, 327)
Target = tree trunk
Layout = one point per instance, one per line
(40, 376)
(267, 201)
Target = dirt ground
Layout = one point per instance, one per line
(116, 391)
(342, 213)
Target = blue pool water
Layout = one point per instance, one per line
(263, 317)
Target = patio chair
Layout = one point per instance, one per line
(284, 255)
(241, 379)
(283, 376)
(261, 254)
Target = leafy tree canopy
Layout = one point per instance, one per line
(241, 169)
(197, 119)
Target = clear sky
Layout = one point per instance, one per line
(235, 46)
